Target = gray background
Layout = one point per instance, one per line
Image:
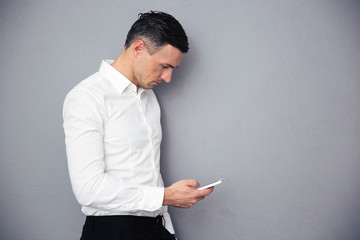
(268, 97)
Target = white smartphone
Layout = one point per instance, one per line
(211, 184)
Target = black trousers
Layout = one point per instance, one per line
(125, 228)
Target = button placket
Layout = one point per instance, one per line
(150, 134)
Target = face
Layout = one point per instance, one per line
(151, 70)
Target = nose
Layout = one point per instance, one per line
(166, 76)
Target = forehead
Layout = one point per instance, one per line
(168, 55)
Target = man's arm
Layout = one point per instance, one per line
(184, 193)
(92, 186)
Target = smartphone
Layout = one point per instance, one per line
(211, 184)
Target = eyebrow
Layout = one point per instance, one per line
(169, 65)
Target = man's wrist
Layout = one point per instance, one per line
(167, 196)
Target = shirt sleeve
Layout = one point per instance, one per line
(84, 119)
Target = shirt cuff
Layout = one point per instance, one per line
(153, 198)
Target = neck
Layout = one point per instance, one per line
(123, 63)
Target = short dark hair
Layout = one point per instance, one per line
(156, 29)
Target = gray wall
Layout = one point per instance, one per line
(268, 97)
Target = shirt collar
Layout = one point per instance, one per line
(115, 77)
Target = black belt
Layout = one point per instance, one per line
(132, 223)
(126, 219)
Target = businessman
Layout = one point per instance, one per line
(113, 135)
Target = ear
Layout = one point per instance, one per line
(138, 47)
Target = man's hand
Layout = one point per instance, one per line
(184, 193)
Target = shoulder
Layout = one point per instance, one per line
(88, 95)
(92, 88)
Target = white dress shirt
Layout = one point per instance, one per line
(113, 137)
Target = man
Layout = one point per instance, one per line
(113, 136)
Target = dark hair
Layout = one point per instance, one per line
(156, 29)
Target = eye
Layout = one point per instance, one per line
(164, 67)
